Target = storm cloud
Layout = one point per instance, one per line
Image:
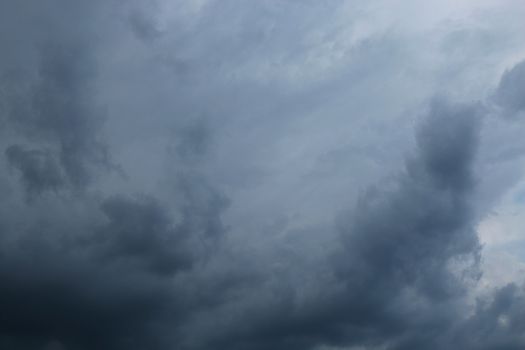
(204, 175)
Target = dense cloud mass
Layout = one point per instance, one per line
(204, 175)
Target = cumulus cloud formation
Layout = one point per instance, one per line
(206, 175)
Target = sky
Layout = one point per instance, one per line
(262, 175)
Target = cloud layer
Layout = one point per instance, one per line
(206, 175)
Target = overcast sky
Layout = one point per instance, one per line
(262, 175)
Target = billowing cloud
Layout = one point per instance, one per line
(393, 278)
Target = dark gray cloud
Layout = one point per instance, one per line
(393, 278)
(143, 26)
(411, 232)
(496, 324)
(47, 84)
(82, 270)
(39, 171)
(140, 232)
(105, 278)
(58, 287)
(56, 111)
(241, 136)
(511, 89)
